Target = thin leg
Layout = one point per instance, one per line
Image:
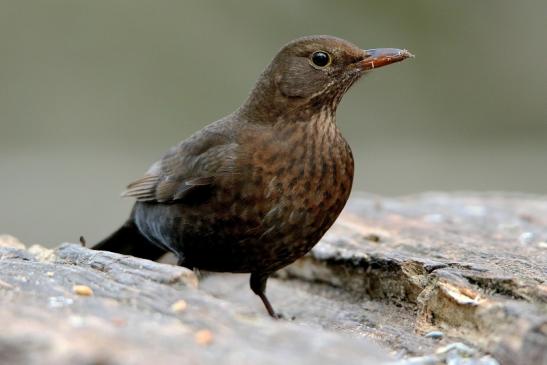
(258, 286)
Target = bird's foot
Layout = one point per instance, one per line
(282, 316)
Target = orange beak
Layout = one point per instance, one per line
(379, 57)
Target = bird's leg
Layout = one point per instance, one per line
(258, 286)
(181, 261)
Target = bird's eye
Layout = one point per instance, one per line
(321, 59)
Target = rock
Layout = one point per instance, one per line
(389, 272)
(9, 241)
(136, 316)
(435, 335)
(82, 290)
(467, 272)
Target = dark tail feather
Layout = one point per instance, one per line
(127, 240)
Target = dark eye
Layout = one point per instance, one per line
(320, 58)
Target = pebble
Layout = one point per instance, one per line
(179, 306)
(82, 290)
(203, 337)
(436, 335)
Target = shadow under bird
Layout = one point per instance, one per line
(257, 189)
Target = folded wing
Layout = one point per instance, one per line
(196, 162)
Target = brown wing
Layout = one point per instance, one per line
(197, 161)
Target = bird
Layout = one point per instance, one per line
(257, 189)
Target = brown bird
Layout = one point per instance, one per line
(257, 189)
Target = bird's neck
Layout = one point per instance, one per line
(266, 105)
(319, 133)
(320, 125)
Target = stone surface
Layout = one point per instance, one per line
(390, 272)
(130, 319)
(455, 263)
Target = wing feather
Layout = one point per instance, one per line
(195, 162)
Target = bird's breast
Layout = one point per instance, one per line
(298, 177)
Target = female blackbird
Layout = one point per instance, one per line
(257, 189)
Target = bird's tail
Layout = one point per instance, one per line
(127, 240)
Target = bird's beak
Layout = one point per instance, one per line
(379, 57)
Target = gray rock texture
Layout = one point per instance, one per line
(427, 279)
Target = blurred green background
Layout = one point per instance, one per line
(93, 92)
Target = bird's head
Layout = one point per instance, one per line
(315, 71)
